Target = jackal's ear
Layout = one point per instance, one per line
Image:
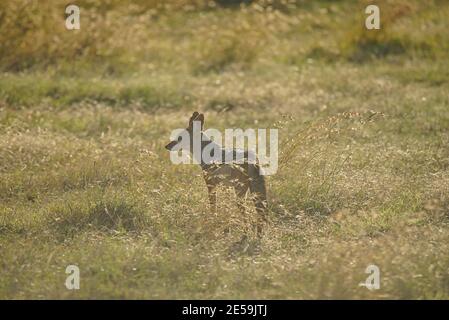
(193, 118)
(200, 118)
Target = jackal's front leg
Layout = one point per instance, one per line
(212, 197)
(261, 209)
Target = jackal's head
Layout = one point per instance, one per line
(196, 121)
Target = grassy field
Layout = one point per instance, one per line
(85, 180)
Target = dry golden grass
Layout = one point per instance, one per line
(85, 180)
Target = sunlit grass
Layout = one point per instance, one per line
(363, 178)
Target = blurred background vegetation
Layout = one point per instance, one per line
(120, 38)
(85, 180)
(210, 36)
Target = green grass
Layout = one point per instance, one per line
(85, 178)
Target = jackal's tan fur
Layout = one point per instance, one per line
(242, 177)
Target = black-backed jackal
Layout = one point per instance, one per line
(243, 177)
